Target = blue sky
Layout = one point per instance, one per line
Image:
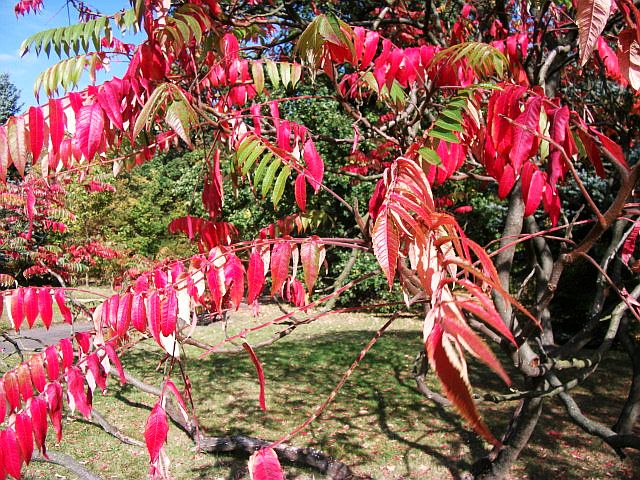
(23, 71)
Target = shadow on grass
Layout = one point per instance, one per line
(379, 418)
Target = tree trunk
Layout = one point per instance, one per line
(497, 464)
(631, 409)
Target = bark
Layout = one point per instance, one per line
(631, 408)
(67, 462)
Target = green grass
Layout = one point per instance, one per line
(379, 423)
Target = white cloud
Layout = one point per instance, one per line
(7, 57)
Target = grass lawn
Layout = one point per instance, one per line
(379, 424)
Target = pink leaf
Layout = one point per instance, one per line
(386, 243)
(156, 430)
(255, 277)
(258, 365)
(64, 310)
(45, 305)
(280, 257)
(301, 192)
(264, 465)
(124, 314)
(90, 129)
(31, 305)
(113, 358)
(315, 165)
(168, 313)
(312, 254)
(76, 391)
(139, 313)
(109, 98)
(17, 307)
(54, 400)
(592, 16)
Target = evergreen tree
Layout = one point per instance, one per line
(9, 97)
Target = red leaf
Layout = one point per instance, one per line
(234, 279)
(64, 310)
(258, 365)
(57, 122)
(301, 192)
(215, 281)
(315, 165)
(3, 402)
(12, 390)
(24, 436)
(31, 305)
(4, 157)
(38, 411)
(97, 371)
(255, 277)
(109, 98)
(36, 132)
(629, 57)
(10, 452)
(154, 314)
(45, 305)
(16, 137)
(455, 383)
(386, 243)
(168, 313)
(89, 130)
(66, 348)
(613, 148)
(280, 257)
(522, 138)
(139, 313)
(124, 314)
(113, 358)
(592, 16)
(532, 191)
(84, 341)
(312, 254)
(75, 389)
(24, 381)
(213, 191)
(17, 307)
(54, 400)
(264, 465)
(155, 432)
(629, 245)
(592, 152)
(53, 363)
(36, 369)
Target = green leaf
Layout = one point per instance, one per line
(430, 156)
(443, 135)
(270, 176)
(179, 119)
(258, 76)
(278, 189)
(272, 72)
(443, 124)
(262, 168)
